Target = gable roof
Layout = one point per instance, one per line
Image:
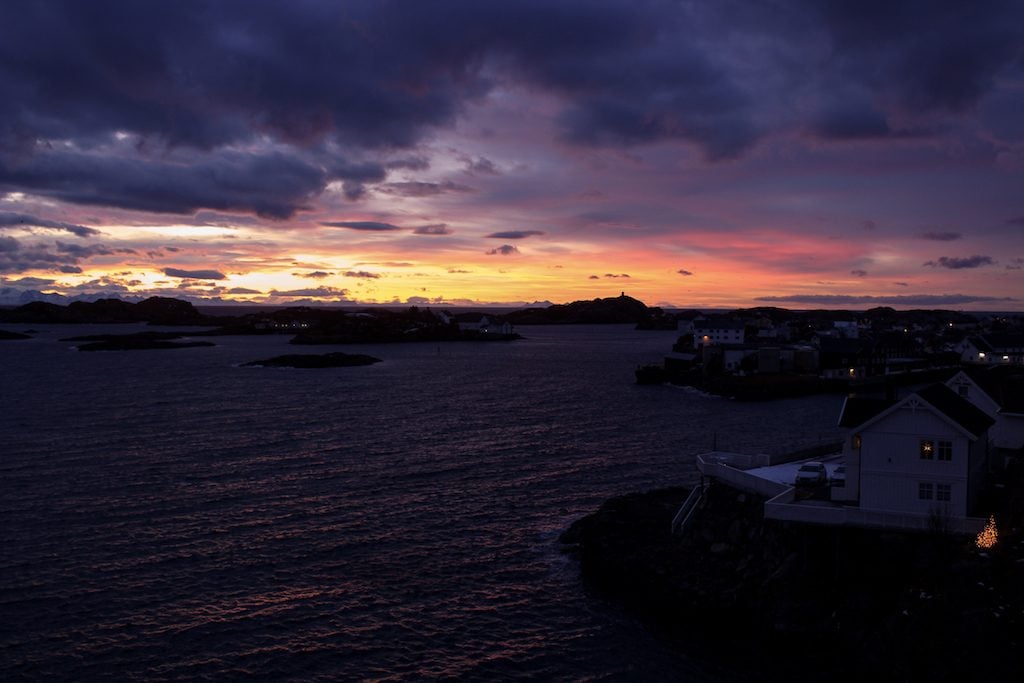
(958, 409)
(1004, 384)
(860, 412)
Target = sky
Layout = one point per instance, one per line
(794, 153)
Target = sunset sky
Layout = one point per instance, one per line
(795, 153)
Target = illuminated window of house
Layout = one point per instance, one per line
(945, 450)
(944, 492)
(924, 491)
(856, 442)
(927, 449)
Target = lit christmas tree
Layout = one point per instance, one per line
(988, 536)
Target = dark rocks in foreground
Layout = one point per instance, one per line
(325, 360)
(5, 335)
(806, 602)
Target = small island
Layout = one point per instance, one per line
(139, 341)
(324, 360)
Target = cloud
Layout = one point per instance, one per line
(613, 275)
(859, 273)
(195, 274)
(8, 219)
(481, 166)
(316, 274)
(683, 271)
(433, 229)
(902, 284)
(957, 263)
(367, 226)
(503, 250)
(458, 271)
(1016, 221)
(515, 234)
(243, 290)
(924, 300)
(941, 236)
(70, 269)
(868, 225)
(1015, 264)
(594, 277)
(312, 293)
(360, 273)
(422, 189)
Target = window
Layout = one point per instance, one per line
(856, 442)
(945, 451)
(944, 492)
(927, 449)
(924, 491)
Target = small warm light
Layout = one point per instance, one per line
(988, 536)
(856, 441)
(1006, 358)
(981, 354)
(853, 372)
(927, 447)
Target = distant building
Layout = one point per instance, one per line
(717, 332)
(994, 349)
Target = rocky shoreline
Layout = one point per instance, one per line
(802, 602)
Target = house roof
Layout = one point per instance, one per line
(1003, 341)
(859, 409)
(1004, 384)
(959, 410)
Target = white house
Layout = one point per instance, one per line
(925, 455)
(999, 392)
(712, 332)
(993, 349)
(482, 324)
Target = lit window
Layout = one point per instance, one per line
(981, 354)
(944, 492)
(924, 491)
(853, 372)
(856, 441)
(927, 450)
(945, 451)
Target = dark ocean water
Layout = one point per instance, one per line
(168, 515)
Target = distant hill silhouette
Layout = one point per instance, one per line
(620, 309)
(157, 310)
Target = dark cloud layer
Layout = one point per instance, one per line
(503, 250)
(8, 219)
(924, 300)
(195, 274)
(515, 234)
(958, 263)
(258, 107)
(365, 226)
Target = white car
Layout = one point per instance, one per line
(811, 474)
(839, 476)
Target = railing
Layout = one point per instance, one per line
(682, 517)
(729, 468)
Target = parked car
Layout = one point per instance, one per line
(839, 476)
(811, 474)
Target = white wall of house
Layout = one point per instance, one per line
(894, 476)
(703, 336)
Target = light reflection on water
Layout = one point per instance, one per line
(171, 515)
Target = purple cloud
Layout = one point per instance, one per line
(503, 250)
(941, 236)
(515, 234)
(366, 226)
(859, 273)
(433, 229)
(957, 263)
(195, 274)
(683, 271)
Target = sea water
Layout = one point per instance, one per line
(172, 515)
